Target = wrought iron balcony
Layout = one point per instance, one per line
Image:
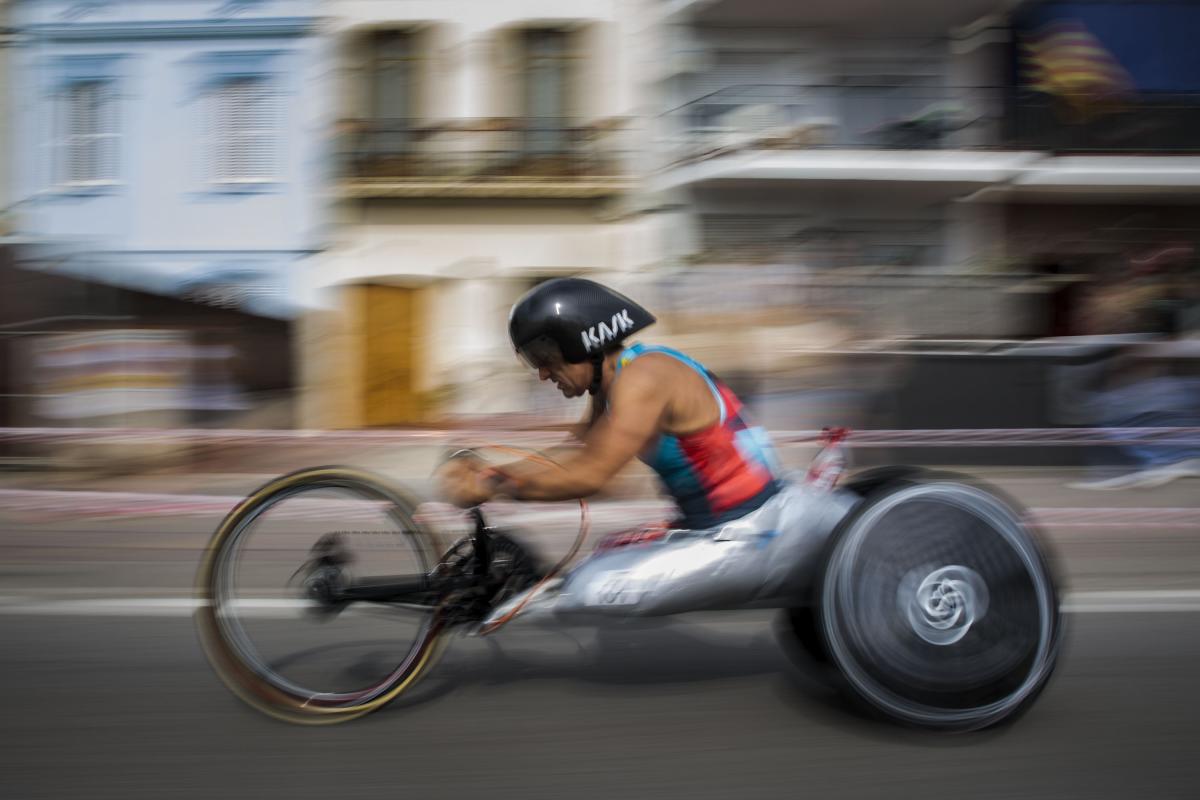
(1146, 124)
(781, 116)
(794, 117)
(503, 157)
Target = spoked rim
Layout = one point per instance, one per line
(233, 652)
(947, 607)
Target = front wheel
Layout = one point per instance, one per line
(936, 606)
(275, 618)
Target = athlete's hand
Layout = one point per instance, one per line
(465, 481)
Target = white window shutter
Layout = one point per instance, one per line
(244, 131)
(221, 101)
(212, 102)
(90, 136)
(80, 126)
(261, 131)
(107, 140)
(91, 140)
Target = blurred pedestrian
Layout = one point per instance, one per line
(1147, 385)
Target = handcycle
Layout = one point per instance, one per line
(927, 599)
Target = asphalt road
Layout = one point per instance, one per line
(107, 693)
(123, 705)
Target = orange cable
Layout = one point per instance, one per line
(584, 524)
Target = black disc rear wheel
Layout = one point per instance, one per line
(937, 607)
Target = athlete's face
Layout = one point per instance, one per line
(547, 360)
(573, 380)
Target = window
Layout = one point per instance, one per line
(83, 108)
(393, 73)
(90, 137)
(548, 70)
(393, 80)
(244, 131)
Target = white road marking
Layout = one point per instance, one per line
(53, 505)
(1095, 602)
(1132, 600)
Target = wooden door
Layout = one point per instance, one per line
(390, 328)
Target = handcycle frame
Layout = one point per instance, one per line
(824, 473)
(470, 584)
(431, 590)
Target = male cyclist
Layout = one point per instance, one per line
(652, 403)
(742, 533)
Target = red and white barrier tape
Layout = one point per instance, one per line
(956, 437)
(50, 505)
(237, 436)
(1007, 437)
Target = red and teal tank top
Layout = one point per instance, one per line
(720, 473)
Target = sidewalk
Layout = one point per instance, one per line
(231, 469)
(235, 462)
(1033, 486)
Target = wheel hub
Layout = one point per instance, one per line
(321, 576)
(942, 606)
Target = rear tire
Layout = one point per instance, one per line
(802, 627)
(937, 607)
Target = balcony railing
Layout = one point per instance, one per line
(770, 116)
(506, 157)
(1137, 124)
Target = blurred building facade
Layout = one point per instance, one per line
(482, 147)
(1109, 95)
(921, 168)
(336, 201)
(5, 44)
(166, 149)
(820, 151)
(7, 240)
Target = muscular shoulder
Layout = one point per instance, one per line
(685, 400)
(652, 367)
(651, 372)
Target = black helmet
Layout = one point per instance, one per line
(573, 318)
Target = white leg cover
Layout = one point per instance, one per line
(766, 558)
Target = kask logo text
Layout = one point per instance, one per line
(595, 336)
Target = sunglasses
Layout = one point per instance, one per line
(541, 353)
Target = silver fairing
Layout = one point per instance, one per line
(766, 559)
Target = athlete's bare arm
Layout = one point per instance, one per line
(579, 430)
(655, 394)
(636, 409)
